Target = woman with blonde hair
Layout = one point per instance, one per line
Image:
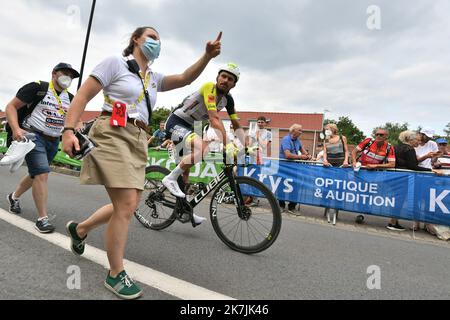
(405, 158)
(335, 148)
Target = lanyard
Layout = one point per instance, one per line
(141, 96)
(144, 89)
(58, 100)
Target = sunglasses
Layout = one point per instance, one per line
(379, 134)
(442, 144)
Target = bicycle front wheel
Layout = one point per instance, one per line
(257, 228)
(156, 208)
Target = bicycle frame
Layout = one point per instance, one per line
(227, 172)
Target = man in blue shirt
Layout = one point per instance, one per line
(291, 148)
(158, 136)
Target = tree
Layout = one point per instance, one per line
(394, 131)
(447, 130)
(348, 129)
(158, 115)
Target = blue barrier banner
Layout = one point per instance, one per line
(404, 195)
(432, 199)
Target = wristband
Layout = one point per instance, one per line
(67, 129)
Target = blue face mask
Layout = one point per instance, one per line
(151, 48)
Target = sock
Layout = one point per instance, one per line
(175, 173)
(40, 219)
(13, 196)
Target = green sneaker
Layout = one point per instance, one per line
(77, 244)
(123, 286)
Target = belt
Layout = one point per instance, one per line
(49, 138)
(135, 122)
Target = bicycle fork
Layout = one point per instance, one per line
(236, 190)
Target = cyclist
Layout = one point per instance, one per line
(204, 104)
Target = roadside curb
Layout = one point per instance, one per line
(366, 229)
(66, 171)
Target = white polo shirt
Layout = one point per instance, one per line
(428, 147)
(120, 84)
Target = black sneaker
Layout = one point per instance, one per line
(395, 227)
(44, 226)
(14, 205)
(77, 244)
(359, 219)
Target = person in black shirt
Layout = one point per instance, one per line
(405, 154)
(406, 158)
(48, 105)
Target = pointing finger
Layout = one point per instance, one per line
(219, 36)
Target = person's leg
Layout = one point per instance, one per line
(13, 197)
(199, 148)
(98, 218)
(24, 185)
(282, 204)
(124, 202)
(393, 221)
(40, 194)
(38, 162)
(291, 206)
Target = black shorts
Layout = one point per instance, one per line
(179, 131)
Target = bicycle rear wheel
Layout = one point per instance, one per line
(258, 227)
(151, 212)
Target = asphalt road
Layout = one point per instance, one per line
(310, 259)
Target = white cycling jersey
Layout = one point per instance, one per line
(195, 106)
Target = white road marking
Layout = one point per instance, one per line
(161, 281)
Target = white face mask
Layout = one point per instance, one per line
(64, 81)
(328, 133)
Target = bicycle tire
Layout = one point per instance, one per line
(147, 215)
(271, 232)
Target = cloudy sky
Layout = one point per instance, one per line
(374, 61)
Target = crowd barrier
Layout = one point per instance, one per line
(399, 194)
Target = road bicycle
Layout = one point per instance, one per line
(242, 228)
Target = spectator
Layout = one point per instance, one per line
(45, 121)
(159, 136)
(291, 148)
(425, 152)
(214, 142)
(405, 158)
(319, 157)
(232, 137)
(427, 148)
(374, 154)
(443, 160)
(335, 149)
(261, 139)
(335, 153)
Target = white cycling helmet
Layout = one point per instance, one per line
(231, 68)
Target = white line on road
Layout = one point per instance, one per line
(161, 281)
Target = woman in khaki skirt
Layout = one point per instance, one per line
(119, 161)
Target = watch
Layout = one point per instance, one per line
(67, 129)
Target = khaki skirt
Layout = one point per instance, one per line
(120, 159)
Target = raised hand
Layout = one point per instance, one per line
(213, 47)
